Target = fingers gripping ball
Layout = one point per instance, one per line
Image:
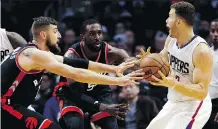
(152, 63)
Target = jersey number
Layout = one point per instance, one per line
(177, 78)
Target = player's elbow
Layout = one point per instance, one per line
(202, 94)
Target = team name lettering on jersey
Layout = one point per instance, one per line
(4, 54)
(91, 86)
(178, 65)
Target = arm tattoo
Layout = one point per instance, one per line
(70, 54)
(26, 53)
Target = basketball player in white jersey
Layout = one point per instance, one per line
(189, 104)
(9, 41)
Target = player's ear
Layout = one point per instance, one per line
(179, 21)
(81, 36)
(43, 34)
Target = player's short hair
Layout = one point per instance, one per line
(41, 23)
(87, 22)
(185, 10)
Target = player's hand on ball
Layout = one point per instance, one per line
(124, 66)
(143, 53)
(117, 110)
(168, 81)
(130, 79)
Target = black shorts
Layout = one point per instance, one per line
(81, 108)
(18, 117)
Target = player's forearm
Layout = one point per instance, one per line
(191, 90)
(101, 68)
(81, 75)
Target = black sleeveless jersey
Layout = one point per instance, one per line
(92, 89)
(17, 85)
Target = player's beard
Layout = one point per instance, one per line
(52, 47)
(92, 47)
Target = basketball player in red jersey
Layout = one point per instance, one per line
(22, 72)
(91, 98)
(189, 104)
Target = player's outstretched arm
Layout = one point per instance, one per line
(48, 62)
(16, 39)
(100, 67)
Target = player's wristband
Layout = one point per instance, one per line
(78, 63)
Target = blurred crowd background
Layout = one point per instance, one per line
(127, 24)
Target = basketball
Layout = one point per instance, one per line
(152, 63)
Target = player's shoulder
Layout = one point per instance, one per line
(75, 45)
(114, 50)
(202, 50)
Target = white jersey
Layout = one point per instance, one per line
(213, 89)
(6, 46)
(180, 58)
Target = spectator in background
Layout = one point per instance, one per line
(130, 41)
(142, 108)
(213, 89)
(52, 110)
(159, 40)
(69, 39)
(203, 30)
(120, 37)
(45, 92)
(137, 49)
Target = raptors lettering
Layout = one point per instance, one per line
(178, 65)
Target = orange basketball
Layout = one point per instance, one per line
(152, 63)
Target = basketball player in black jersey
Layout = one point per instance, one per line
(21, 74)
(82, 97)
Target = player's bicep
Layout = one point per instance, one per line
(203, 62)
(43, 59)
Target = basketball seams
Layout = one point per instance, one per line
(156, 64)
(163, 64)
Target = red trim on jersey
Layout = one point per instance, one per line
(84, 55)
(106, 53)
(71, 109)
(14, 85)
(18, 65)
(100, 115)
(193, 117)
(45, 124)
(74, 52)
(9, 93)
(11, 111)
(60, 84)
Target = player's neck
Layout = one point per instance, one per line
(40, 44)
(185, 36)
(88, 53)
(133, 100)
